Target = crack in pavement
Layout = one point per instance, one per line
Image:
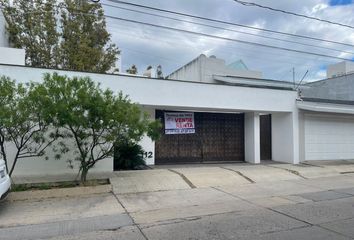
(172, 221)
(185, 179)
(133, 221)
(288, 170)
(281, 213)
(239, 173)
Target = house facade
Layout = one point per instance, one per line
(213, 112)
(226, 122)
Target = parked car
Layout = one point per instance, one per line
(5, 181)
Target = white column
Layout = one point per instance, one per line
(285, 137)
(252, 138)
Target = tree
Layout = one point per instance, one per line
(21, 122)
(86, 43)
(69, 34)
(132, 70)
(94, 119)
(32, 25)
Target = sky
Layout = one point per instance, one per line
(144, 46)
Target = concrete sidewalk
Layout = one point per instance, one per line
(211, 202)
(219, 175)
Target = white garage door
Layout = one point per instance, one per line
(329, 137)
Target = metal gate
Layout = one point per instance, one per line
(218, 137)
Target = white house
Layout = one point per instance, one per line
(221, 111)
(213, 112)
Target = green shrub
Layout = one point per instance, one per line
(128, 156)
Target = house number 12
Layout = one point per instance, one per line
(147, 154)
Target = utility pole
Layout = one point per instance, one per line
(294, 76)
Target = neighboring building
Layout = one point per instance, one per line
(205, 69)
(327, 108)
(9, 55)
(3, 39)
(340, 89)
(340, 69)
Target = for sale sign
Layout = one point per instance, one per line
(179, 123)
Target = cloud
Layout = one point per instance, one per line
(143, 45)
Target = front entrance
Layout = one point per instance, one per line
(265, 126)
(218, 137)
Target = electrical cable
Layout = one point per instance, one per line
(229, 23)
(227, 29)
(252, 4)
(226, 38)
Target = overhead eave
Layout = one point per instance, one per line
(325, 107)
(254, 82)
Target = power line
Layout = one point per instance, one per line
(219, 21)
(292, 13)
(242, 51)
(251, 53)
(226, 39)
(229, 23)
(226, 29)
(218, 37)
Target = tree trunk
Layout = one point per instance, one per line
(14, 163)
(84, 175)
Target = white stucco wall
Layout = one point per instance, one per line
(158, 93)
(147, 144)
(154, 94)
(12, 56)
(40, 166)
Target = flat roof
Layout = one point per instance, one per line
(242, 81)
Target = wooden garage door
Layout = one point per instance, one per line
(218, 138)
